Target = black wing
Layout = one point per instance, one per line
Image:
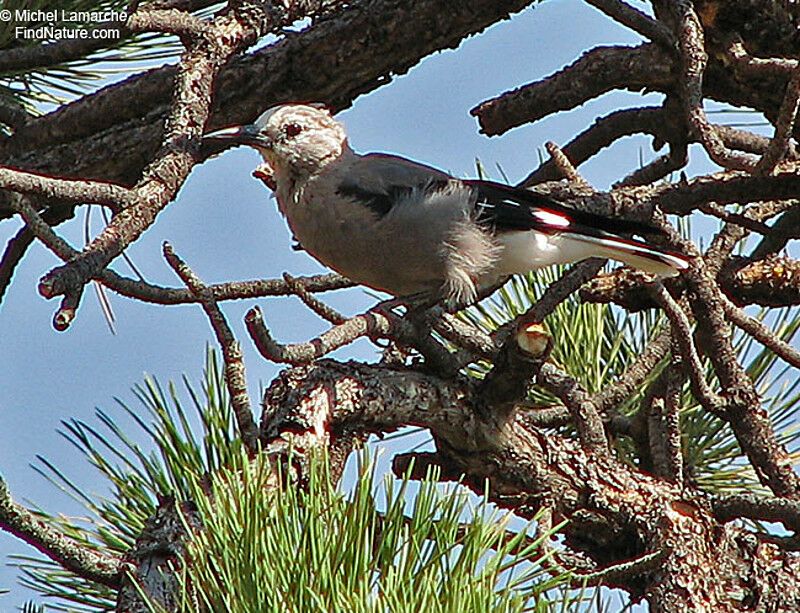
(514, 208)
(381, 201)
(379, 181)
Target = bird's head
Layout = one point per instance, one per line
(295, 140)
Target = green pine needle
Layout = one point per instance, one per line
(420, 546)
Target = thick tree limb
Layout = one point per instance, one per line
(616, 513)
(208, 48)
(517, 363)
(324, 62)
(598, 71)
(772, 282)
(158, 551)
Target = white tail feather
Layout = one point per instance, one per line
(637, 255)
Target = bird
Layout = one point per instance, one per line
(408, 229)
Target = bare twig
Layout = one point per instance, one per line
(787, 115)
(40, 229)
(559, 561)
(636, 20)
(580, 404)
(736, 218)
(760, 332)
(316, 305)
(616, 572)
(682, 334)
(171, 21)
(747, 141)
(231, 351)
(778, 66)
(233, 290)
(464, 334)
(748, 419)
(562, 288)
(659, 168)
(78, 191)
(633, 377)
(727, 188)
(146, 292)
(646, 120)
(15, 248)
(786, 227)
(375, 323)
(555, 294)
(783, 510)
(150, 293)
(65, 314)
(693, 53)
(602, 133)
(207, 50)
(564, 165)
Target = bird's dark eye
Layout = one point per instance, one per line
(292, 129)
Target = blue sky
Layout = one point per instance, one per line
(226, 226)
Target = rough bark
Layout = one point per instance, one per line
(324, 63)
(616, 513)
(646, 527)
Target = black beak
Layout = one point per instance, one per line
(241, 135)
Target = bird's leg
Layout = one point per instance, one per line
(412, 303)
(422, 310)
(423, 314)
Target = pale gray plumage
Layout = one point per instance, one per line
(406, 228)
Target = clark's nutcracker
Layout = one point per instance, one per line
(406, 228)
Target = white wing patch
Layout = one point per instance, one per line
(552, 219)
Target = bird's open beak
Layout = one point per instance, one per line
(242, 135)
